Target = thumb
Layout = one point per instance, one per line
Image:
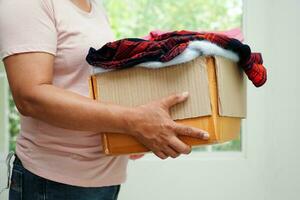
(174, 99)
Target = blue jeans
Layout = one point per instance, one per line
(27, 186)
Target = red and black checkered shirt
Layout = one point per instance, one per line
(132, 51)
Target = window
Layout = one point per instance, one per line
(133, 18)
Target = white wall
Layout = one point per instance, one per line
(273, 27)
(282, 97)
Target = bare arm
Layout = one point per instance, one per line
(30, 78)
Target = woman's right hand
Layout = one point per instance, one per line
(153, 126)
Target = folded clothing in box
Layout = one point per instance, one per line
(166, 47)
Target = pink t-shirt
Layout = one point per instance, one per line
(60, 28)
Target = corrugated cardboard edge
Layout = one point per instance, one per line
(213, 88)
(91, 88)
(93, 92)
(218, 119)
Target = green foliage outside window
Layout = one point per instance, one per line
(132, 18)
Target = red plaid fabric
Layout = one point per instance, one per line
(132, 51)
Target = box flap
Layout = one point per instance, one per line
(136, 86)
(232, 88)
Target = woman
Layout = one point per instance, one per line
(43, 44)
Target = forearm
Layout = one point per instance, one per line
(70, 110)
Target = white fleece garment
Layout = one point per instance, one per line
(194, 49)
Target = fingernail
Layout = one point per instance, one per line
(185, 94)
(205, 136)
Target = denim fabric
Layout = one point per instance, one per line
(27, 186)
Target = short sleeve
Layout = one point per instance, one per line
(27, 26)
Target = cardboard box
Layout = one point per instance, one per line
(217, 100)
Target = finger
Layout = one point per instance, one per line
(161, 155)
(174, 99)
(191, 132)
(170, 152)
(179, 146)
